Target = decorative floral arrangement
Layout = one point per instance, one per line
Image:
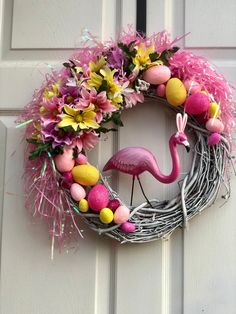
(97, 85)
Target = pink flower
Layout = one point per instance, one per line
(89, 139)
(99, 100)
(85, 140)
(131, 99)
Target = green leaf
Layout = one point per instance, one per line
(67, 65)
(103, 86)
(117, 119)
(153, 56)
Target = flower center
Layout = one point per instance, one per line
(78, 118)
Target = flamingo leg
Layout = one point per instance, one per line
(132, 192)
(144, 193)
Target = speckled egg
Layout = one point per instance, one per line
(192, 86)
(83, 205)
(113, 204)
(197, 103)
(128, 227)
(106, 215)
(215, 125)
(161, 90)
(87, 175)
(214, 139)
(157, 74)
(98, 197)
(77, 192)
(175, 92)
(81, 159)
(121, 214)
(64, 162)
(214, 110)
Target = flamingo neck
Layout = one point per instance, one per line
(175, 164)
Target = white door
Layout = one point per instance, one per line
(194, 271)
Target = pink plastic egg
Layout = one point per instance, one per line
(98, 198)
(67, 179)
(113, 204)
(161, 90)
(81, 159)
(215, 125)
(197, 103)
(64, 162)
(157, 74)
(128, 227)
(77, 192)
(192, 86)
(214, 139)
(121, 214)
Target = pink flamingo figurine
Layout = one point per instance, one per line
(136, 160)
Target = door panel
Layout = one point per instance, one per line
(190, 272)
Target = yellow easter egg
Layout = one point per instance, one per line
(214, 110)
(83, 205)
(87, 175)
(175, 92)
(106, 215)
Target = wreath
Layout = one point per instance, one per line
(76, 104)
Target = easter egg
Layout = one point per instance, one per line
(77, 192)
(98, 197)
(67, 179)
(215, 125)
(128, 227)
(113, 204)
(106, 215)
(214, 139)
(81, 159)
(192, 86)
(161, 90)
(175, 92)
(121, 214)
(83, 205)
(214, 110)
(157, 74)
(197, 103)
(85, 174)
(64, 162)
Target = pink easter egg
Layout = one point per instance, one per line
(66, 179)
(128, 227)
(157, 74)
(77, 192)
(64, 162)
(121, 214)
(98, 198)
(202, 117)
(214, 139)
(113, 204)
(161, 90)
(215, 125)
(192, 87)
(197, 103)
(81, 159)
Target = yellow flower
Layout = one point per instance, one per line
(142, 59)
(77, 118)
(53, 91)
(96, 66)
(95, 80)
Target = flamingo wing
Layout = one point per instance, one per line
(131, 160)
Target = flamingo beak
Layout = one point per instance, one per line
(187, 146)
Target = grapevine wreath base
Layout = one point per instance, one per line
(72, 108)
(198, 190)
